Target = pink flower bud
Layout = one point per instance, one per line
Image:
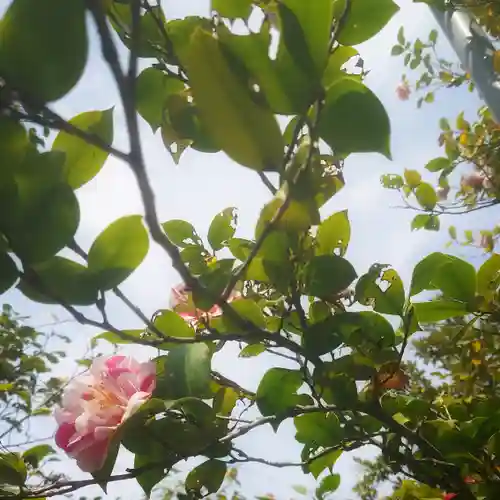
(473, 180)
(442, 192)
(95, 404)
(403, 91)
(181, 302)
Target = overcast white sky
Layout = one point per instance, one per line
(204, 184)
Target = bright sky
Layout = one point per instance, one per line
(204, 184)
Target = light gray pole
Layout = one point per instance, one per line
(475, 51)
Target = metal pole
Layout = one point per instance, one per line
(475, 51)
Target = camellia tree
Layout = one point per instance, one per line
(290, 291)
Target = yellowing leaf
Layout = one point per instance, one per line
(245, 130)
(496, 61)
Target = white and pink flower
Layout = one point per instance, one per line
(182, 303)
(403, 91)
(96, 403)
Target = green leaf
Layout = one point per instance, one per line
(252, 350)
(222, 228)
(36, 454)
(113, 338)
(488, 277)
(301, 490)
(152, 26)
(433, 35)
(240, 248)
(342, 390)
(334, 234)
(84, 161)
(43, 212)
(233, 9)
(327, 460)
(151, 476)
(337, 59)
(249, 311)
(453, 276)
(328, 485)
(14, 143)
(401, 36)
(184, 372)
(363, 20)
(354, 120)
(328, 275)
(412, 178)
(277, 392)
(12, 469)
(8, 272)
(43, 47)
(153, 89)
(103, 474)
(438, 164)
(315, 20)
(207, 476)
(118, 251)
(439, 310)
(60, 279)
(318, 429)
(369, 292)
(171, 324)
(181, 233)
(424, 221)
(397, 50)
(246, 131)
(426, 196)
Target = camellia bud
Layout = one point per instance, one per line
(473, 180)
(442, 192)
(403, 91)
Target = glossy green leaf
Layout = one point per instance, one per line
(364, 19)
(207, 476)
(152, 32)
(60, 279)
(103, 474)
(222, 228)
(337, 59)
(397, 50)
(129, 337)
(84, 161)
(328, 485)
(354, 120)
(438, 164)
(325, 461)
(233, 9)
(328, 275)
(387, 300)
(153, 89)
(240, 248)
(151, 475)
(318, 429)
(246, 131)
(43, 212)
(426, 196)
(12, 469)
(14, 143)
(456, 278)
(252, 350)
(315, 20)
(36, 454)
(118, 251)
(277, 391)
(181, 233)
(425, 221)
(334, 234)
(43, 47)
(488, 277)
(184, 372)
(321, 337)
(8, 272)
(439, 310)
(172, 325)
(342, 391)
(249, 311)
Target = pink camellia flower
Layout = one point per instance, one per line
(182, 303)
(95, 404)
(403, 91)
(473, 180)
